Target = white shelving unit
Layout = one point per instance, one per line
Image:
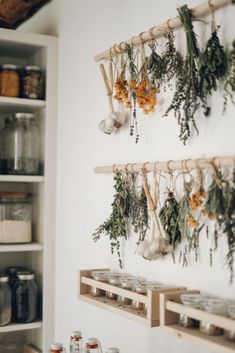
(23, 49)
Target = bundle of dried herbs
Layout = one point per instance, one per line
(169, 217)
(115, 227)
(229, 86)
(156, 67)
(212, 63)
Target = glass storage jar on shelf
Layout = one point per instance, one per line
(32, 82)
(6, 128)
(101, 276)
(126, 283)
(114, 278)
(5, 301)
(216, 306)
(140, 288)
(230, 335)
(150, 285)
(15, 217)
(22, 146)
(25, 306)
(9, 80)
(194, 301)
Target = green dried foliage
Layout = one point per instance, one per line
(169, 216)
(216, 202)
(156, 67)
(229, 86)
(184, 210)
(131, 65)
(212, 63)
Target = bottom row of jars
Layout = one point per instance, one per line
(214, 305)
(18, 296)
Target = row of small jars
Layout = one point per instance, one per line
(20, 145)
(24, 82)
(18, 296)
(132, 283)
(210, 304)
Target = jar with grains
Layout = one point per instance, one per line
(194, 301)
(9, 80)
(5, 301)
(57, 348)
(114, 278)
(33, 82)
(230, 335)
(101, 276)
(76, 342)
(216, 306)
(25, 307)
(126, 283)
(15, 217)
(22, 146)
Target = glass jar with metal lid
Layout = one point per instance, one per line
(115, 279)
(25, 307)
(9, 80)
(5, 300)
(15, 217)
(216, 306)
(140, 288)
(22, 146)
(194, 301)
(150, 285)
(126, 283)
(32, 82)
(101, 276)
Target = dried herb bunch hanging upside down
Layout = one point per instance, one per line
(229, 86)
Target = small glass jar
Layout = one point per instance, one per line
(230, 335)
(140, 288)
(57, 348)
(126, 283)
(26, 298)
(101, 276)
(115, 279)
(5, 301)
(194, 301)
(76, 343)
(93, 346)
(32, 82)
(216, 306)
(15, 217)
(9, 80)
(150, 286)
(22, 146)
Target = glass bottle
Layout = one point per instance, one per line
(9, 80)
(57, 348)
(21, 146)
(26, 298)
(76, 343)
(32, 82)
(216, 306)
(93, 346)
(101, 276)
(7, 123)
(5, 301)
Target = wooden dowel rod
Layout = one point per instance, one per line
(225, 161)
(158, 31)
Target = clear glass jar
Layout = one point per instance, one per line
(26, 298)
(57, 348)
(15, 217)
(5, 301)
(141, 288)
(216, 306)
(115, 279)
(101, 276)
(76, 342)
(7, 123)
(194, 301)
(126, 283)
(22, 146)
(230, 335)
(9, 80)
(150, 286)
(32, 82)
(93, 346)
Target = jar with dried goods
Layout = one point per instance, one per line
(9, 81)
(32, 82)
(114, 278)
(140, 288)
(101, 276)
(126, 283)
(5, 301)
(194, 301)
(216, 306)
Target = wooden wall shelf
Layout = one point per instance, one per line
(170, 308)
(151, 319)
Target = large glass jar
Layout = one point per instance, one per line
(5, 301)
(216, 306)
(25, 307)
(101, 276)
(230, 335)
(15, 217)
(115, 279)
(9, 81)
(32, 82)
(22, 146)
(194, 301)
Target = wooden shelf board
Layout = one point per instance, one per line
(21, 327)
(13, 105)
(22, 178)
(114, 307)
(216, 343)
(20, 247)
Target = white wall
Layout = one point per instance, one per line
(85, 28)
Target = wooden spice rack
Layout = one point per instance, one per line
(170, 309)
(151, 319)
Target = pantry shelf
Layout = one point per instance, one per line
(4, 248)
(13, 105)
(22, 178)
(152, 316)
(21, 327)
(171, 308)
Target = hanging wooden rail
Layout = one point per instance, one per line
(158, 31)
(225, 161)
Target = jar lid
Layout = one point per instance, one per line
(24, 116)
(14, 194)
(56, 346)
(32, 68)
(112, 350)
(3, 278)
(24, 276)
(76, 334)
(100, 275)
(10, 67)
(92, 341)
